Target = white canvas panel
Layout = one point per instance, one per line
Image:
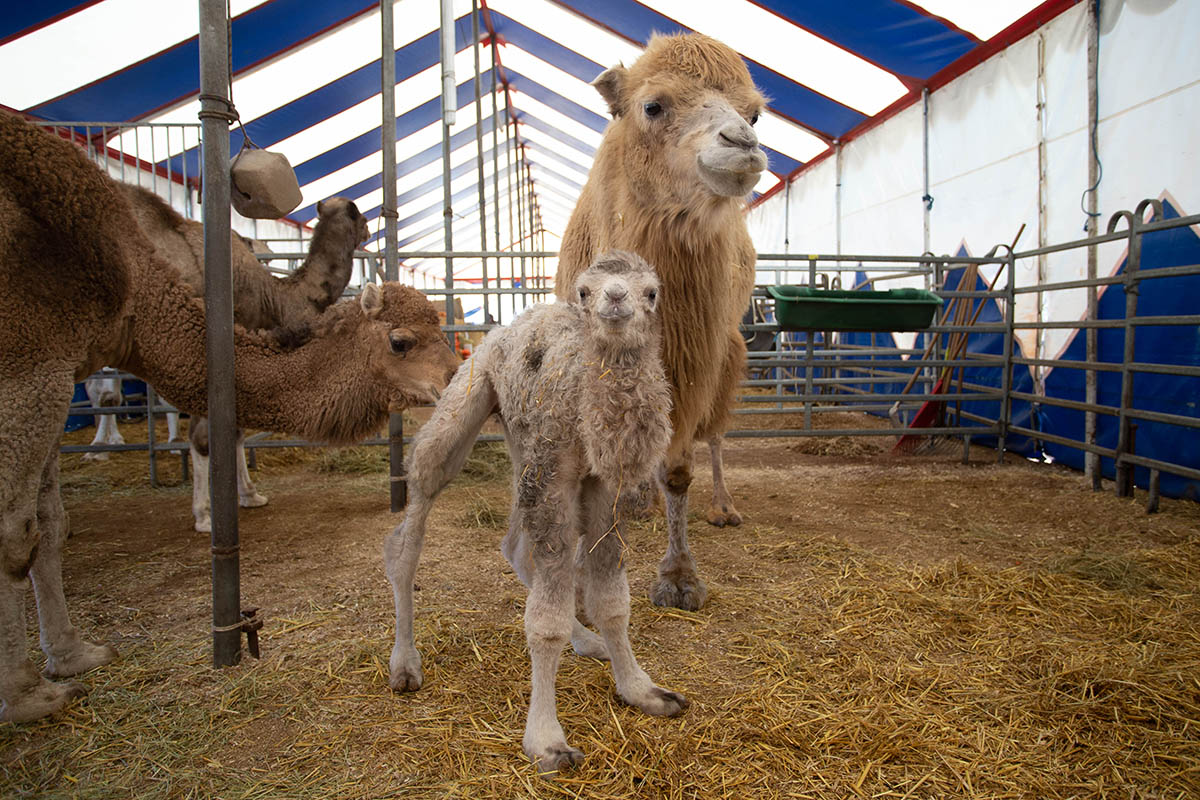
(882, 165)
(985, 116)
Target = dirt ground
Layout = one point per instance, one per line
(880, 626)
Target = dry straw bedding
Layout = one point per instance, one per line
(830, 661)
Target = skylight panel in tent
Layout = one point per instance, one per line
(554, 79)
(526, 103)
(789, 50)
(364, 116)
(340, 52)
(96, 41)
(569, 29)
(980, 19)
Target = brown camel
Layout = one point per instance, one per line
(260, 299)
(81, 286)
(669, 183)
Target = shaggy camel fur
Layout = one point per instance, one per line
(260, 299)
(668, 183)
(585, 407)
(81, 286)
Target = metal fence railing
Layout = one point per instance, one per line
(794, 378)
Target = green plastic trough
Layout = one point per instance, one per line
(801, 308)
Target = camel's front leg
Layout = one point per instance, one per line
(248, 496)
(606, 598)
(721, 511)
(679, 584)
(549, 614)
(67, 653)
(30, 427)
(401, 552)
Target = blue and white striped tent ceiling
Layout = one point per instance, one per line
(307, 80)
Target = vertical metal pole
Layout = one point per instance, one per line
(387, 127)
(479, 143)
(926, 199)
(398, 485)
(151, 402)
(1091, 461)
(808, 353)
(449, 105)
(508, 141)
(1010, 319)
(218, 301)
(1124, 433)
(397, 488)
(495, 178)
(1042, 226)
(522, 200)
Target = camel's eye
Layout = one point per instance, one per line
(754, 119)
(583, 294)
(402, 341)
(652, 296)
(652, 109)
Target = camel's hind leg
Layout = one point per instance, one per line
(438, 453)
(679, 583)
(721, 511)
(248, 496)
(606, 599)
(31, 419)
(66, 652)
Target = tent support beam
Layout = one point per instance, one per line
(215, 115)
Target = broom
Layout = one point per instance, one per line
(932, 410)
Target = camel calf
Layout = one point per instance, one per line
(585, 405)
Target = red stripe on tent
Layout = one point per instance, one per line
(1001, 41)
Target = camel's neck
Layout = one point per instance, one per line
(625, 412)
(324, 274)
(297, 391)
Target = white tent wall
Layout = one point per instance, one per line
(984, 132)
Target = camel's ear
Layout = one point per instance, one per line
(320, 208)
(372, 300)
(611, 85)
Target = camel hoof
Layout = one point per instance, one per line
(557, 758)
(255, 500)
(405, 672)
(589, 644)
(686, 592)
(44, 699)
(85, 656)
(720, 516)
(658, 702)
(204, 524)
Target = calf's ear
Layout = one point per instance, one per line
(611, 86)
(372, 300)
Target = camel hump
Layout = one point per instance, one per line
(65, 218)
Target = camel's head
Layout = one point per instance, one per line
(618, 295)
(409, 352)
(341, 216)
(684, 112)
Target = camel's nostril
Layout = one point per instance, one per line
(616, 293)
(740, 136)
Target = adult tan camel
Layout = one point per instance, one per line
(80, 287)
(669, 183)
